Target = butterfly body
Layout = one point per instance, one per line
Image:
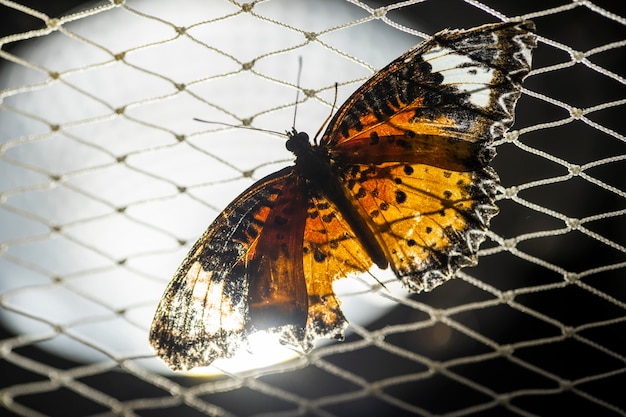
(320, 176)
(399, 179)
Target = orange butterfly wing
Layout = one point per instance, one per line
(205, 311)
(411, 146)
(304, 243)
(331, 251)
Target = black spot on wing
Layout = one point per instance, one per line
(400, 196)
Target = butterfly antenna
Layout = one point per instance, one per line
(332, 110)
(257, 129)
(295, 110)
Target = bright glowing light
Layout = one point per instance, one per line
(264, 350)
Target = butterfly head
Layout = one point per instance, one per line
(298, 142)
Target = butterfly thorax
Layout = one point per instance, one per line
(314, 166)
(310, 159)
(312, 162)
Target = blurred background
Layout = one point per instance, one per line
(106, 180)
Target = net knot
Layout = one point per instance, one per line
(575, 169)
(571, 277)
(511, 136)
(380, 12)
(573, 223)
(578, 56)
(568, 331)
(576, 113)
(52, 23)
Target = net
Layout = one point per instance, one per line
(105, 181)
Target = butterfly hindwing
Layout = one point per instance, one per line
(426, 218)
(331, 251)
(304, 245)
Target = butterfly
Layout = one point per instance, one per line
(400, 179)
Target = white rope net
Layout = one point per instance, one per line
(105, 181)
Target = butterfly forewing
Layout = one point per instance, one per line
(205, 311)
(460, 84)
